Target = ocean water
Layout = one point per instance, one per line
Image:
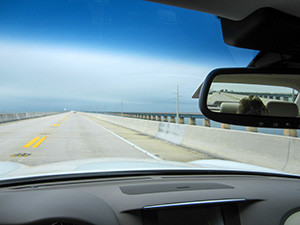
(274, 131)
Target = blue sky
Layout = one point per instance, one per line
(91, 55)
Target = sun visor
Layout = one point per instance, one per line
(266, 29)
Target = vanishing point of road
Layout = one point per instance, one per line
(76, 136)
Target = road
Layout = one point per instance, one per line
(72, 136)
(224, 97)
(67, 136)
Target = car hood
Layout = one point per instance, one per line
(12, 170)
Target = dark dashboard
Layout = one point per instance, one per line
(160, 199)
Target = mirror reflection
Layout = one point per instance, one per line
(255, 95)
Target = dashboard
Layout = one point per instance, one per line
(159, 199)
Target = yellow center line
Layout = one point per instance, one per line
(66, 117)
(39, 142)
(233, 97)
(31, 142)
(60, 121)
(213, 95)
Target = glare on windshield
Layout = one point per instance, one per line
(101, 80)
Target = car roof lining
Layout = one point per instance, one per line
(234, 9)
(283, 80)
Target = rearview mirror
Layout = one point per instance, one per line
(252, 97)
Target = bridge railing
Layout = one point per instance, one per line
(165, 117)
(170, 117)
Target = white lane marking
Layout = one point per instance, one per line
(128, 142)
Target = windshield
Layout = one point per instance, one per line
(112, 82)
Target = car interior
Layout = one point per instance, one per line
(189, 196)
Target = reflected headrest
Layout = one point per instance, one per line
(288, 109)
(229, 107)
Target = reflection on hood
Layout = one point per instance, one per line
(9, 170)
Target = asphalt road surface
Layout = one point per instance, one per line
(66, 136)
(224, 97)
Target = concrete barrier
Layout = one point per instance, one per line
(148, 127)
(170, 132)
(271, 151)
(246, 147)
(8, 117)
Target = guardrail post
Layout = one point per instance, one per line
(172, 119)
(165, 119)
(225, 126)
(251, 129)
(192, 121)
(290, 132)
(158, 118)
(181, 120)
(206, 122)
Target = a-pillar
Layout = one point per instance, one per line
(206, 122)
(165, 119)
(158, 118)
(192, 121)
(172, 119)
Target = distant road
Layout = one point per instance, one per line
(222, 97)
(66, 136)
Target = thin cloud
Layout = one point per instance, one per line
(53, 73)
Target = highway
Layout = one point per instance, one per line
(72, 136)
(223, 97)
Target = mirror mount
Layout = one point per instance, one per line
(284, 77)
